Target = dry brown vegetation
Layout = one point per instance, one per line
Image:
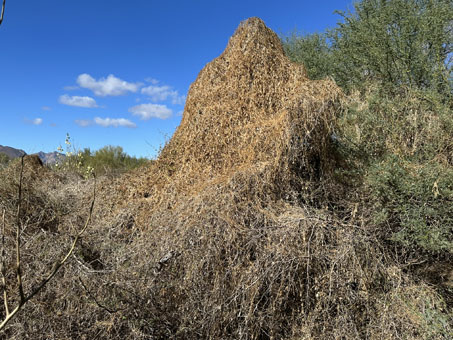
(239, 230)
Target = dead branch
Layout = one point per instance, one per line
(3, 12)
(100, 305)
(23, 298)
(18, 232)
(3, 269)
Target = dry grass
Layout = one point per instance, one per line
(226, 235)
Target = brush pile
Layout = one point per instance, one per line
(226, 235)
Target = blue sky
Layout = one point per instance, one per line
(117, 72)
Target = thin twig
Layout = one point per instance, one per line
(3, 12)
(18, 232)
(5, 294)
(307, 293)
(110, 311)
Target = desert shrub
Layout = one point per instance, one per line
(107, 160)
(312, 50)
(411, 124)
(397, 42)
(402, 148)
(393, 58)
(393, 43)
(111, 159)
(414, 203)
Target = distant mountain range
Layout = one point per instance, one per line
(47, 158)
(12, 152)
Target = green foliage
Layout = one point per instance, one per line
(403, 149)
(414, 202)
(394, 60)
(390, 42)
(395, 42)
(311, 50)
(110, 159)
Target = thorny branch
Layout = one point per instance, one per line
(24, 298)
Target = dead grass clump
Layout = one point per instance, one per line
(39, 210)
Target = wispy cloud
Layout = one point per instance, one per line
(162, 93)
(106, 122)
(110, 86)
(148, 111)
(115, 122)
(46, 108)
(179, 100)
(36, 121)
(152, 81)
(84, 122)
(77, 101)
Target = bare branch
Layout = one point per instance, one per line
(110, 311)
(3, 12)
(3, 269)
(18, 232)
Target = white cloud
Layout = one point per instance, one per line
(152, 81)
(148, 111)
(162, 93)
(159, 93)
(46, 108)
(36, 121)
(179, 100)
(115, 122)
(84, 122)
(77, 101)
(110, 86)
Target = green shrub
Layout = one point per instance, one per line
(414, 202)
(107, 160)
(110, 159)
(393, 59)
(401, 153)
(313, 51)
(394, 43)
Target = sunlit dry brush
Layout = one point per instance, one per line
(219, 238)
(249, 109)
(232, 248)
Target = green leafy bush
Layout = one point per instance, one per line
(394, 43)
(110, 159)
(107, 160)
(414, 202)
(394, 60)
(313, 51)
